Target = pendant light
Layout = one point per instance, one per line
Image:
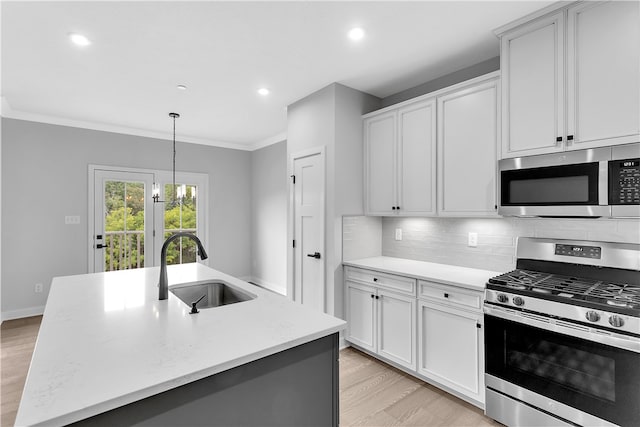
(156, 187)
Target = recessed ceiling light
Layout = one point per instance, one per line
(356, 33)
(181, 87)
(263, 91)
(79, 39)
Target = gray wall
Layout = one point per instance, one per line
(269, 217)
(331, 118)
(459, 76)
(45, 177)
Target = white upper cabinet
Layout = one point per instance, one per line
(467, 144)
(380, 158)
(531, 61)
(594, 83)
(400, 155)
(603, 65)
(417, 155)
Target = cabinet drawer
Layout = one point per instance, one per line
(382, 280)
(450, 295)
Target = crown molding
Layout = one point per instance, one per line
(10, 113)
(269, 141)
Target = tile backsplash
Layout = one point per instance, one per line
(444, 240)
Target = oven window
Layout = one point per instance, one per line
(595, 378)
(554, 185)
(581, 371)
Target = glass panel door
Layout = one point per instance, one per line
(123, 221)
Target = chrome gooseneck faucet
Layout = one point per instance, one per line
(163, 285)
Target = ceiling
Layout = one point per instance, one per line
(125, 81)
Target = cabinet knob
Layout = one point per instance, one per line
(373, 296)
(446, 295)
(393, 208)
(398, 207)
(569, 137)
(375, 279)
(559, 139)
(377, 297)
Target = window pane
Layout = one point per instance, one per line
(180, 215)
(124, 225)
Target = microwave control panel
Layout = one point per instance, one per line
(624, 182)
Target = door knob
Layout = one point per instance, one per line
(315, 255)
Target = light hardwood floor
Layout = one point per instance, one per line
(371, 393)
(18, 338)
(375, 394)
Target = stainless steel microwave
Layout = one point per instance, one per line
(599, 182)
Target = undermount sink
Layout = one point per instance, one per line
(213, 293)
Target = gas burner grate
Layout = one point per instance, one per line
(614, 294)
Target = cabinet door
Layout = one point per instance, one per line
(532, 58)
(380, 158)
(397, 328)
(603, 48)
(450, 348)
(417, 159)
(361, 304)
(467, 144)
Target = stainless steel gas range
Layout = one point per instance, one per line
(562, 335)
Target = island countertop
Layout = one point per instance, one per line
(106, 340)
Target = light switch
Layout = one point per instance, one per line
(72, 219)
(473, 239)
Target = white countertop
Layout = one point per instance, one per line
(106, 340)
(470, 278)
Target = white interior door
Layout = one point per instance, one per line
(308, 214)
(122, 224)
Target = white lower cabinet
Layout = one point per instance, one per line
(450, 348)
(380, 321)
(361, 315)
(433, 330)
(397, 328)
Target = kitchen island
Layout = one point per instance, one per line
(109, 352)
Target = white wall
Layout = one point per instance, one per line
(269, 217)
(44, 178)
(331, 118)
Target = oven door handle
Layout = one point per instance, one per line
(566, 328)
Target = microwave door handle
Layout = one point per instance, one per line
(603, 183)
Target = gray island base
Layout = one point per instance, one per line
(296, 387)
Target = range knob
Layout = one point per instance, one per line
(503, 298)
(616, 321)
(592, 316)
(519, 301)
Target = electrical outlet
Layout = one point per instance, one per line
(72, 219)
(398, 233)
(38, 288)
(473, 239)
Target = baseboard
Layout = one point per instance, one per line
(23, 312)
(282, 290)
(343, 343)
